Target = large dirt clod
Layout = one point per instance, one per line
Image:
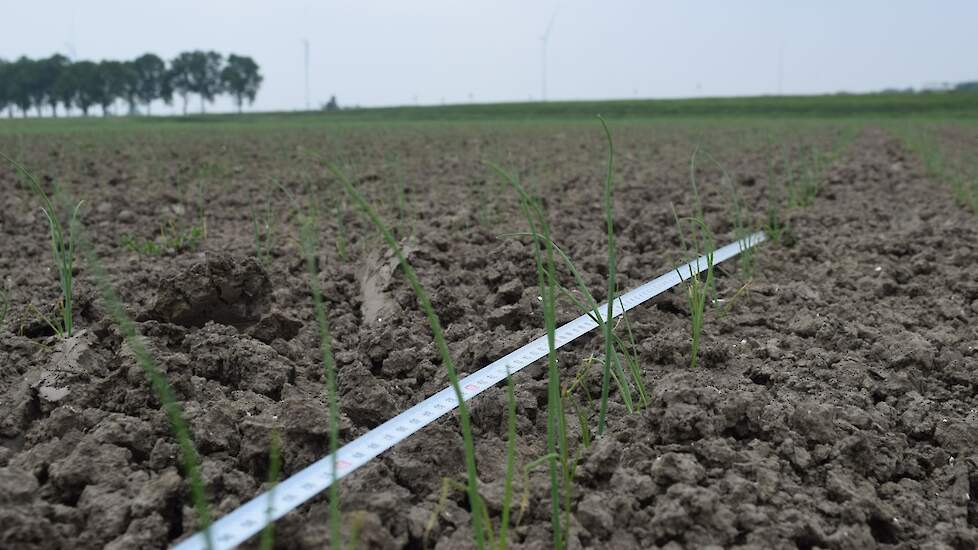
(225, 289)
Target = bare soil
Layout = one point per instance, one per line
(834, 406)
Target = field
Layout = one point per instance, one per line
(833, 401)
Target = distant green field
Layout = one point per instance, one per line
(814, 106)
(956, 105)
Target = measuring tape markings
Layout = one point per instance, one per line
(247, 520)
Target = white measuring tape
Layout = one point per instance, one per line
(236, 527)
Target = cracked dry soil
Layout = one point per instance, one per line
(835, 405)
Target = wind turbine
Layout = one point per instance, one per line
(781, 69)
(305, 64)
(543, 57)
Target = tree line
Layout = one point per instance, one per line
(27, 84)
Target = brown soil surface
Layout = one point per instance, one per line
(835, 405)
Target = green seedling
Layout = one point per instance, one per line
(974, 191)
(475, 500)
(501, 541)
(943, 166)
(503, 537)
(274, 470)
(202, 209)
(556, 421)
(525, 495)
(705, 235)
(161, 387)
(609, 347)
(697, 287)
(263, 233)
(631, 356)
(341, 238)
(171, 240)
(589, 306)
(62, 246)
(404, 227)
(309, 246)
(4, 305)
(741, 223)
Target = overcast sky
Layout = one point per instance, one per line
(389, 52)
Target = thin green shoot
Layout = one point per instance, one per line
(4, 305)
(62, 244)
(697, 300)
(274, 470)
(404, 229)
(202, 208)
(775, 225)
(742, 291)
(788, 177)
(475, 500)
(609, 213)
(741, 224)
(697, 289)
(162, 388)
(447, 485)
(568, 395)
(631, 356)
(556, 420)
(341, 238)
(309, 247)
(590, 308)
(502, 540)
(571, 402)
(525, 495)
(54, 324)
(706, 236)
(262, 233)
(356, 526)
(556, 428)
(503, 537)
(172, 240)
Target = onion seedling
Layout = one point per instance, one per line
(589, 306)
(775, 225)
(510, 461)
(308, 242)
(697, 288)
(274, 469)
(556, 456)
(475, 500)
(162, 388)
(262, 229)
(62, 246)
(609, 348)
(4, 305)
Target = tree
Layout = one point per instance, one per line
(65, 88)
(20, 84)
(49, 72)
(241, 79)
(5, 87)
(129, 84)
(111, 84)
(152, 76)
(88, 88)
(32, 80)
(205, 75)
(179, 79)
